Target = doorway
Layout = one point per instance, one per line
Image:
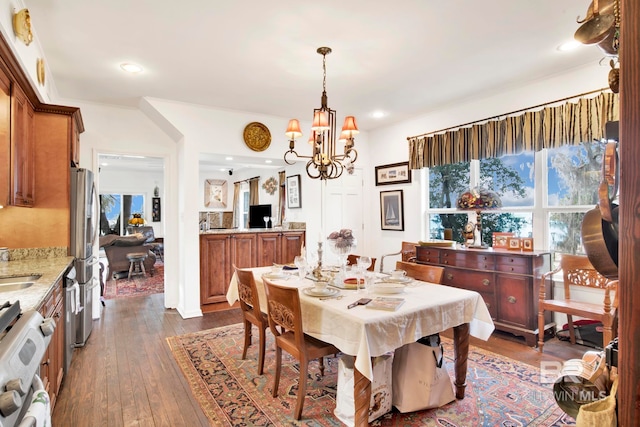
(131, 195)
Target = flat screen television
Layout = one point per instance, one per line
(257, 214)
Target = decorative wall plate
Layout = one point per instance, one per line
(22, 26)
(257, 136)
(40, 71)
(270, 185)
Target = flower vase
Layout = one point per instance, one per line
(342, 248)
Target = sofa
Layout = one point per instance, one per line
(116, 249)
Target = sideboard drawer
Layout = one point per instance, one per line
(479, 281)
(513, 264)
(425, 254)
(478, 261)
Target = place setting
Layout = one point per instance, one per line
(396, 282)
(321, 290)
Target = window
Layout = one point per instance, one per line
(544, 195)
(114, 207)
(244, 205)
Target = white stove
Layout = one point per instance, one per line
(24, 338)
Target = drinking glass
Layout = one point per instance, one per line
(362, 264)
(301, 263)
(266, 221)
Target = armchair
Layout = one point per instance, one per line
(117, 247)
(408, 253)
(578, 271)
(150, 239)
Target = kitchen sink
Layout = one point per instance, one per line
(15, 283)
(7, 287)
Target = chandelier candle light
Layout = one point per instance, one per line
(324, 163)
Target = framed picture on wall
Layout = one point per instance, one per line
(392, 210)
(396, 173)
(294, 195)
(155, 210)
(215, 193)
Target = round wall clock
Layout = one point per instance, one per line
(257, 136)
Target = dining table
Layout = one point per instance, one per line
(365, 333)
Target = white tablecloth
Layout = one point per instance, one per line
(365, 332)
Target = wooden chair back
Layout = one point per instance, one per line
(247, 291)
(353, 260)
(407, 253)
(252, 314)
(577, 270)
(283, 310)
(426, 273)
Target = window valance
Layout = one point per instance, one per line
(550, 127)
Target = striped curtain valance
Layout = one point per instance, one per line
(550, 127)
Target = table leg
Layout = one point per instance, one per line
(461, 350)
(361, 398)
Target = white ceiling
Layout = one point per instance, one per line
(405, 58)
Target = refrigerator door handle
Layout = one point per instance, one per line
(96, 217)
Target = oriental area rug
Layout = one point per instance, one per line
(500, 391)
(137, 285)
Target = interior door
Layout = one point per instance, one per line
(343, 208)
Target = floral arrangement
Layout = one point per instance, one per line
(343, 238)
(136, 220)
(478, 199)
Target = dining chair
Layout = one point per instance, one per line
(407, 252)
(577, 271)
(353, 260)
(424, 272)
(250, 305)
(283, 306)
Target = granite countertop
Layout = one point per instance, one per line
(32, 297)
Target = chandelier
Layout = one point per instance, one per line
(324, 163)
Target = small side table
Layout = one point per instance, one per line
(136, 264)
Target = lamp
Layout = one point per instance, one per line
(478, 200)
(324, 163)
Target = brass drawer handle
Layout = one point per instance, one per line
(512, 299)
(486, 282)
(449, 276)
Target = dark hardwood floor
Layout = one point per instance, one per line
(126, 375)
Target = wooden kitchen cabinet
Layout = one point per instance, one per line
(52, 366)
(220, 251)
(509, 282)
(22, 149)
(5, 136)
(218, 254)
(279, 247)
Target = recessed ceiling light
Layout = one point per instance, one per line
(222, 170)
(104, 164)
(268, 161)
(228, 158)
(570, 45)
(378, 114)
(131, 68)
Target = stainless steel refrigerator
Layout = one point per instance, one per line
(84, 232)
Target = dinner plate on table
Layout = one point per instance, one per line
(389, 288)
(276, 276)
(402, 280)
(327, 292)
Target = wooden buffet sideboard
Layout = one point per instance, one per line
(509, 282)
